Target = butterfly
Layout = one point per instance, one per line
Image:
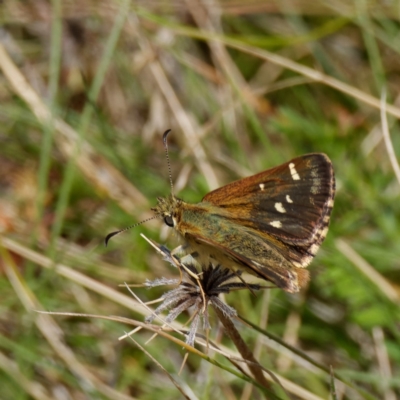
(270, 224)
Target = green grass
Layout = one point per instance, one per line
(113, 82)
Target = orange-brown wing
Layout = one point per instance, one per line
(292, 201)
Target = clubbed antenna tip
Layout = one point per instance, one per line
(109, 236)
(112, 234)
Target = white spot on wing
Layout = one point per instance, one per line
(297, 264)
(313, 249)
(324, 232)
(279, 207)
(276, 224)
(293, 172)
(303, 262)
(262, 186)
(288, 199)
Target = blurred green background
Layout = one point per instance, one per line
(87, 89)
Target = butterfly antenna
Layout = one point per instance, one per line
(112, 234)
(167, 155)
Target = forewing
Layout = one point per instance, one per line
(292, 202)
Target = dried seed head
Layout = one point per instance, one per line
(196, 288)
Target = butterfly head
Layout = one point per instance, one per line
(167, 209)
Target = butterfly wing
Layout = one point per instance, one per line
(285, 277)
(291, 203)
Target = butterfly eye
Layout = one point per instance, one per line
(169, 221)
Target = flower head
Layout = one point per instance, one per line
(199, 287)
